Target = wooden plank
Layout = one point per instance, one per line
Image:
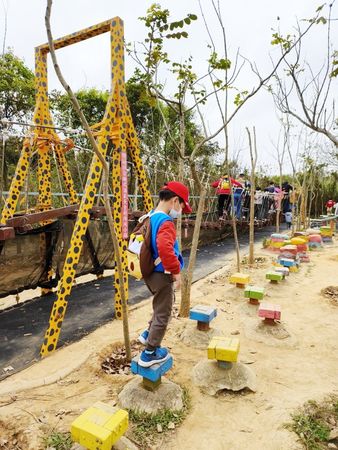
(20, 221)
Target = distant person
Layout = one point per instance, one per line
(239, 193)
(258, 203)
(286, 188)
(336, 209)
(245, 195)
(329, 206)
(270, 189)
(288, 219)
(223, 190)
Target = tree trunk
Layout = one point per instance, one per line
(253, 159)
(181, 173)
(187, 274)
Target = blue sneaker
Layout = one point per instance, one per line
(148, 359)
(143, 337)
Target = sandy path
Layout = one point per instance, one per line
(303, 367)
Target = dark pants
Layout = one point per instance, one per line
(223, 203)
(162, 287)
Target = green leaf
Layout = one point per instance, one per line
(320, 7)
(180, 23)
(192, 16)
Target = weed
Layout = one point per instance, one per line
(145, 426)
(58, 440)
(312, 423)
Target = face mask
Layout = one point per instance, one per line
(175, 214)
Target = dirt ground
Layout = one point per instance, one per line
(301, 364)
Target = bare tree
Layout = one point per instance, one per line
(253, 160)
(102, 160)
(305, 93)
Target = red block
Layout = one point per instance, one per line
(269, 311)
(302, 247)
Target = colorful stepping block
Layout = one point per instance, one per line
(287, 262)
(326, 231)
(152, 373)
(274, 276)
(223, 349)
(254, 294)
(278, 237)
(283, 270)
(288, 250)
(294, 269)
(99, 427)
(240, 279)
(301, 234)
(204, 315)
(313, 245)
(298, 241)
(315, 238)
(269, 312)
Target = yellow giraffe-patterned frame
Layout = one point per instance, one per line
(116, 128)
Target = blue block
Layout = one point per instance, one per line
(203, 313)
(154, 372)
(287, 262)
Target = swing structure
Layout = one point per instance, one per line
(115, 134)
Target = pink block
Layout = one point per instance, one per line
(315, 238)
(269, 311)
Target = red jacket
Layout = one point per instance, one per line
(165, 239)
(217, 184)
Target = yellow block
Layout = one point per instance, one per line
(99, 427)
(276, 244)
(293, 269)
(223, 349)
(240, 278)
(298, 241)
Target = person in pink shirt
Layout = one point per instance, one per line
(223, 190)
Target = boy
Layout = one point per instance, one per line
(224, 195)
(288, 219)
(173, 200)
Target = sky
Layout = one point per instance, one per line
(248, 27)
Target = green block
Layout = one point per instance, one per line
(255, 292)
(274, 276)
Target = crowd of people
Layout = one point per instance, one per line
(267, 200)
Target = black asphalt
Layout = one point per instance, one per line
(91, 305)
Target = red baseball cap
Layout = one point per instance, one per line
(182, 191)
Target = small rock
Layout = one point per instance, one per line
(331, 445)
(333, 434)
(235, 332)
(332, 421)
(171, 426)
(159, 428)
(219, 300)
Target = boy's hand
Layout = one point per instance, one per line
(177, 281)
